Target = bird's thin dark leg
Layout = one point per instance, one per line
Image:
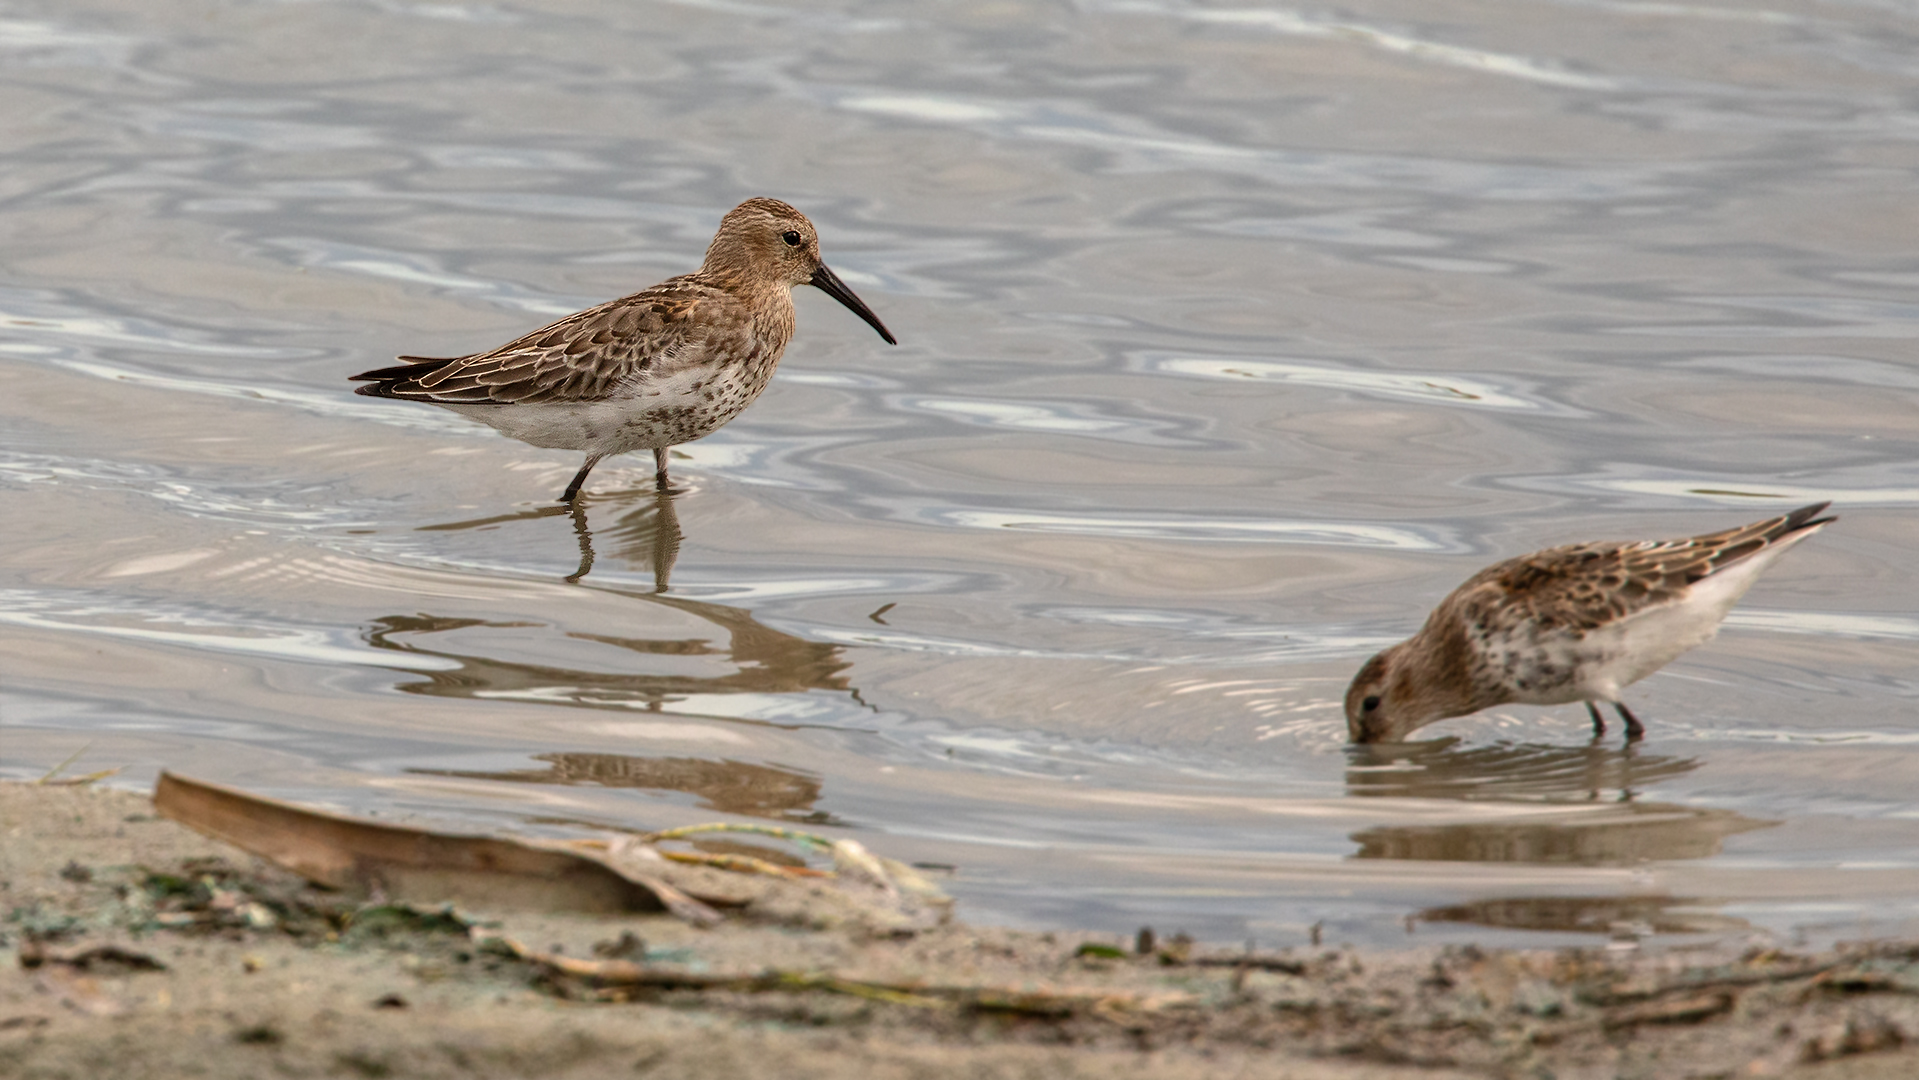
(586, 544)
(1599, 722)
(1635, 730)
(659, 469)
(573, 489)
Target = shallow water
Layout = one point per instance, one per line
(1231, 339)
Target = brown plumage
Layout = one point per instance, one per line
(646, 371)
(1573, 623)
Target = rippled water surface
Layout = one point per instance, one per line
(1232, 338)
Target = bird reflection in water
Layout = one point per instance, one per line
(730, 787)
(1449, 769)
(763, 661)
(1567, 805)
(647, 535)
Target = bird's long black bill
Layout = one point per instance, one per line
(829, 283)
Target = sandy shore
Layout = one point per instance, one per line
(131, 947)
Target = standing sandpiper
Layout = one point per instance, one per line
(1574, 623)
(646, 371)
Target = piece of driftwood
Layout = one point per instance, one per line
(416, 865)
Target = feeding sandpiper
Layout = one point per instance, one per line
(1574, 623)
(647, 371)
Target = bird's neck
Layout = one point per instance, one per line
(1451, 679)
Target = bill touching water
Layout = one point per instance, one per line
(1576, 623)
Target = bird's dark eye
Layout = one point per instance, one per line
(1370, 703)
(791, 237)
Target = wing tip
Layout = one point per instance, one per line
(386, 381)
(1805, 518)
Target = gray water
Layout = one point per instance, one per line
(1231, 339)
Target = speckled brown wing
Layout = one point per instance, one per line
(587, 356)
(1583, 586)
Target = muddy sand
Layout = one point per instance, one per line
(132, 947)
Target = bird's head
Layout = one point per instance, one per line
(1400, 691)
(767, 242)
